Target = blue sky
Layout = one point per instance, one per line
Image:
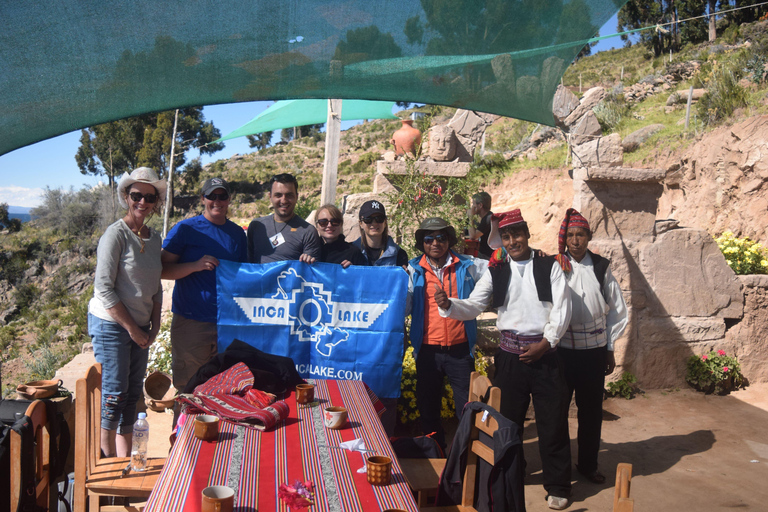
(27, 171)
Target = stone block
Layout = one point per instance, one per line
(633, 141)
(602, 152)
(453, 169)
(586, 129)
(381, 185)
(469, 127)
(616, 209)
(618, 174)
(563, 104)
(590, 99)
(663, 330)
(688, 276)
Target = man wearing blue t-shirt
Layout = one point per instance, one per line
(190, 255)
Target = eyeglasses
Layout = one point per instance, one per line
(324, 222)
(379, 219)
(441, 239)
(220, 197)
(148, 198)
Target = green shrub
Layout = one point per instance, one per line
(731, 34)
(715, 372)
(624, 387)
(366, 160)
(724, 95)
(26, 295)
(612, 110)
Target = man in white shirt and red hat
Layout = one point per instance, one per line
(534, 310)
(598, 319)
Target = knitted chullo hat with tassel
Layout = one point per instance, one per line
(573, 219)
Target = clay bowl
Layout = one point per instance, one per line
(38, 389)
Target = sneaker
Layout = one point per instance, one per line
(557, 503)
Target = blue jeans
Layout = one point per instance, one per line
(123, 365)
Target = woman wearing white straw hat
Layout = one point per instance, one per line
(124, 313)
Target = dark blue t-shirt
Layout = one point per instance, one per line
(194, 296)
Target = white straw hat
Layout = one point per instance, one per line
(140, 175)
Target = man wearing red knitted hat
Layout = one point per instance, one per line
(534, 309)
(599, 317)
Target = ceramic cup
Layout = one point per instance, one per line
(379, 470)
(305, 394)
(207, 427)
(218, 498)
(334, 417)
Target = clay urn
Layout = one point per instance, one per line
(407, 139)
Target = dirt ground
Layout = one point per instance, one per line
(689, 451)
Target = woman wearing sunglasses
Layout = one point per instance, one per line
(378, 247)
(124, 313)
(191, 253)
(330, 223)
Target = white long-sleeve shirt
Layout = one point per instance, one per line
(522, 312)
(594, 308)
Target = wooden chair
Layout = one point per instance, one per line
(97, 476)
(476, 449)
(38, 414)
(621, 499)
(423, 475)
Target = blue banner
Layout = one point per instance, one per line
(335, 323)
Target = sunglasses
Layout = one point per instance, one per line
(437, 238)
(324, 222)
(220, 197)
(379, 219)
(148, 198)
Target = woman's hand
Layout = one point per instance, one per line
(307, 258)
(207, 262)
(140, 337)
(345, 263)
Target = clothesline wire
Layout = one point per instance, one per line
(659, 25)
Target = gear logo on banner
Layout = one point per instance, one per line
(310, 311)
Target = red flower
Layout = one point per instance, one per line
(299, 496)
(704, 357)
(721, 352)
(725, 369)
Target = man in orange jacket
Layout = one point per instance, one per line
(441, 346)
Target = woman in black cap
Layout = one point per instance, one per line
(378, 247)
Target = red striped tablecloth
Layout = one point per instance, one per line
(255, 463)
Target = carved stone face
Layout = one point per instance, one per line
(442, 143)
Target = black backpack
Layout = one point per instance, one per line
(12, 418)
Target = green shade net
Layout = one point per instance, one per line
(285, 114)
(68, 64)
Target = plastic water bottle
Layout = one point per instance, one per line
(140, 441)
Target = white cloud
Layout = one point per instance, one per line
(20, 196)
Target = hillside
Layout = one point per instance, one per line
(715, 179)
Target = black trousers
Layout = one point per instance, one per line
(545, 382)
(432, 364)
(585, 376)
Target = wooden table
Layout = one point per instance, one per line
(255, 463)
